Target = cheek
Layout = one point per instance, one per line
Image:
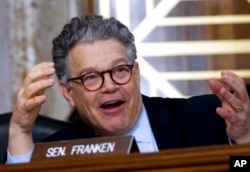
(135, 86)
(86, 108)
(133, 94)
(136, 95)
(84, 101)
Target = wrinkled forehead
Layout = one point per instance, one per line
(99, 55)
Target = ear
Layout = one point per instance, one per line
(66, 92)
(137, 73)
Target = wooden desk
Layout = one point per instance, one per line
(198, 159)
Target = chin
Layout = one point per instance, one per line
(117, 130)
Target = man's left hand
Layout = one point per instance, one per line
(235, 108)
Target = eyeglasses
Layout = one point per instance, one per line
(94, 80)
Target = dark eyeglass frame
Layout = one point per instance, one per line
(110, 71)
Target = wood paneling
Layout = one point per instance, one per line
(196, 159)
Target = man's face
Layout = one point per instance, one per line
(112, 109)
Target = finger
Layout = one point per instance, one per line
(235, 83)
(230, 103)
(40, 71)
(34, 103)
(233, 102)
(226, 114)
(230, 91)
(215, 86)
(37, 88)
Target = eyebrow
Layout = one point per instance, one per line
(113, 63)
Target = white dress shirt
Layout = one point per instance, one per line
(143, 134)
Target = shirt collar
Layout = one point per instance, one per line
(142, 130)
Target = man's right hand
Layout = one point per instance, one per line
(29, 99)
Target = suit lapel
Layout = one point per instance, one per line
(163, 122)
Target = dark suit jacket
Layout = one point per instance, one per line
(175, 123)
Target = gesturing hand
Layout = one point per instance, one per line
(235, 105)
(29, 99)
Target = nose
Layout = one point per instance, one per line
(108, 84)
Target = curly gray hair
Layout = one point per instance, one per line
(89, 29)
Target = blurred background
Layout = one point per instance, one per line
(181, 43)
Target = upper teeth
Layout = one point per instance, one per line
(110, 103)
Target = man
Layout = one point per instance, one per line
(95, 62)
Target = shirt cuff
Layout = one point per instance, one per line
(25, 158)
(231, 141)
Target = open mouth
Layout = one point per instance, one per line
(112, 104)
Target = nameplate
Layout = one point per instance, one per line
(83, 147)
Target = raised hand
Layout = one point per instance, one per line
(235, 105)
(29, 99)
